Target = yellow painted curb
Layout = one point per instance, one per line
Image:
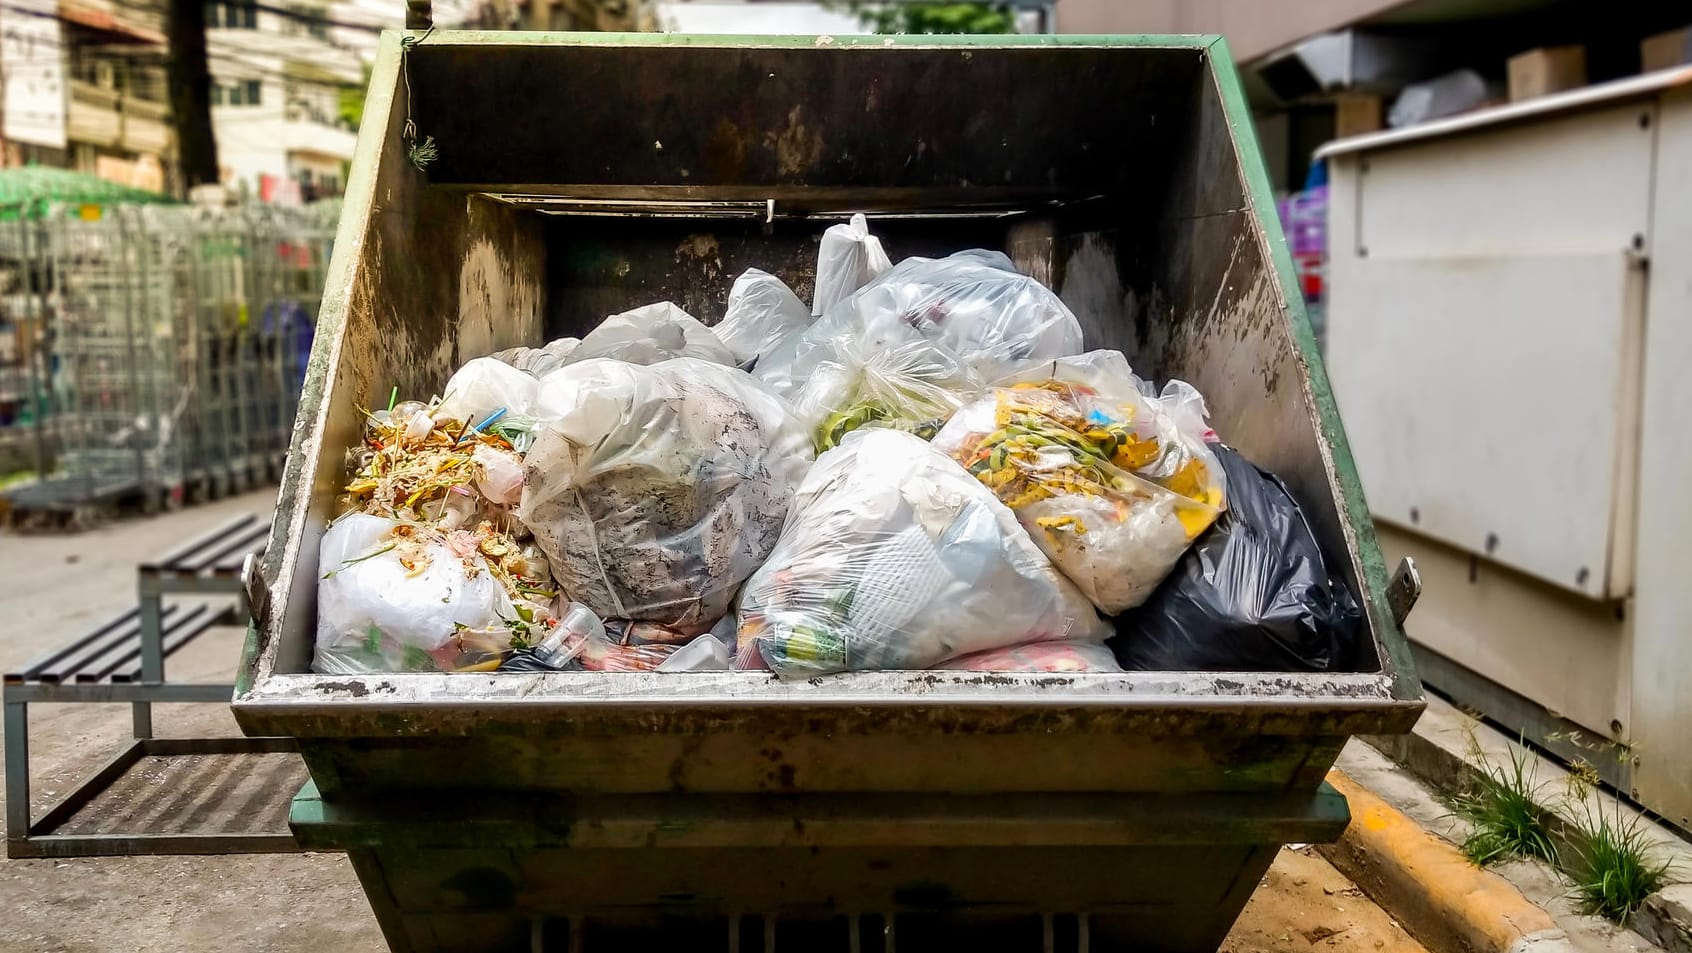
(1441, 898)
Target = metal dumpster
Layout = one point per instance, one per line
(577, 175)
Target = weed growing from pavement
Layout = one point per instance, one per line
(1504, 810)
(1609, 865)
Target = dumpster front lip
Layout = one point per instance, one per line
(323, 706)
(1159, 691)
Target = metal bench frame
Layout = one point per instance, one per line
(210, 564)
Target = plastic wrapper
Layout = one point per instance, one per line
(1252, 595)
(481, 388)
(1112, 484)
(915, 386)
(650, 334)
(536, 361)
(894, 558)
(973, 304)
(1052, 657)
(762, 311)
(656, 491)
(848, 258)
(390, 603)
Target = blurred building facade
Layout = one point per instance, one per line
(557, 15)
(85, 89)
(276, 81)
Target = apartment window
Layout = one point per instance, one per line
(236, 94)
(311, 21)
(232, 16)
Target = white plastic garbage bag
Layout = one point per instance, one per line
(915, 386)
(391, 601)
(656, 491)
(536, 361)
(894, 558)
(975, 304)
(761, 312)
(481, 387)
(848, 258)
(647, 335)
(1112, 484)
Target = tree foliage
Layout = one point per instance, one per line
(935, 17)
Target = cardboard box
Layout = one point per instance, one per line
(1549, 69)
(1358, 113)
(1665, 50)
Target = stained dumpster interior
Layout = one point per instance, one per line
(574, 182)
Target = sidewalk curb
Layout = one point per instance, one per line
(1426, 753)
(1442, 899)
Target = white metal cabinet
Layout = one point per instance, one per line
(1510, 323)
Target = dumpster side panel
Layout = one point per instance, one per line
(1220, 313)
(1052, 758)
(787, 122)
(420, 280)
(1183, 900)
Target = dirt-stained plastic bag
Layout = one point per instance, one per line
(1111, 485)
(1252, 595)
(915, 386)
(536, 361)
(974, 304)
(894, 558)
(650, 334)
(484, 386)
(389, 602)
(762, 311)
(848, 258)
(656, 491)
(1054, 657)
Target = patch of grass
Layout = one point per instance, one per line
(1611, 869)
(1508, 821)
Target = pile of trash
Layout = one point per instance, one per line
(923, 469)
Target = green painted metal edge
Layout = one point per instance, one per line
(1196, 42)
(1405, 684)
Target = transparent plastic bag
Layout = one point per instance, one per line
(536, 361)
(375, 613)
(894, 558)
(1252, 595)
(650, 334)
(848, 258)
(1053, 657)
(974, 304)
(761, 312)
(482, 387)
(1111, 485)
(656, 491)
(915, 386)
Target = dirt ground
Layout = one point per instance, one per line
(311, 903)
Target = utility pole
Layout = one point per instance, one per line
(189, 78)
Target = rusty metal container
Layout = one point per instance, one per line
(580, 174)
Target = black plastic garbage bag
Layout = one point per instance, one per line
(1252, 595)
